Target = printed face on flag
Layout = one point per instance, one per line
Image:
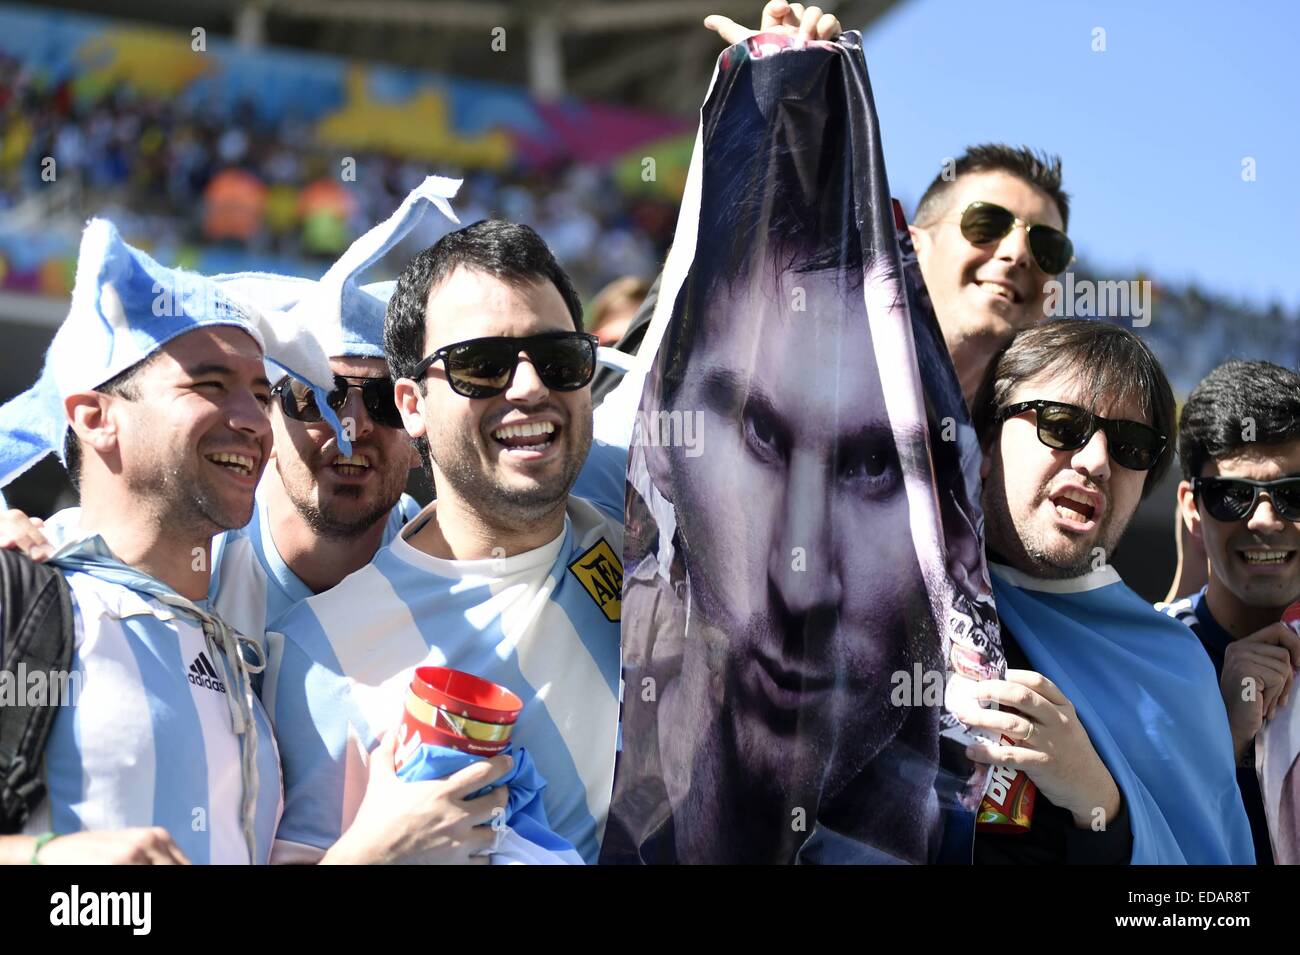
(795, 524)
(790, 593)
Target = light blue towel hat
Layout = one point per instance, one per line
(348, 316)
(125, 306)
(273, 295)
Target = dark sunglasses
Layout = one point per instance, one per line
(984, 222)
(485, 367)
(298, 401)
(1235, 499)
(1064, 427)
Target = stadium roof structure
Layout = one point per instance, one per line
(651, 54)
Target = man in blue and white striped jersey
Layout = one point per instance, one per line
(322, 511)
(154, 393)
(508, 575)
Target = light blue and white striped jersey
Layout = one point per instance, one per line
(544, 623)
(146, 739)
(252, 585)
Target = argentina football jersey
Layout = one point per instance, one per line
(145, 738)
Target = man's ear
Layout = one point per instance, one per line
(920, 240)
(410, 403)
(986, 462)
(1187, 509)
(90, 418)
(658, 461)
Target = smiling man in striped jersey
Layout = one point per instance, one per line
(319, 514)
(513, 574)
(155, 394)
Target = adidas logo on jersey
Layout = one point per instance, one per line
(202, 674)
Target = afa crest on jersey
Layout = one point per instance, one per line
(600, 572)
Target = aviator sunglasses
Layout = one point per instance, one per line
(1065, 427)
(298, 401)
(1235, 499)
(485, 367)
(985, 222)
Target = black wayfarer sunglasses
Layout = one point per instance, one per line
(1066, 427)
(298, 401)
(1235, 499)
(485, 367)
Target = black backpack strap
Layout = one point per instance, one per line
(36, 629)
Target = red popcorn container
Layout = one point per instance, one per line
(1291, 616)
(446, 707)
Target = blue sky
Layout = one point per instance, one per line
(1152, 131)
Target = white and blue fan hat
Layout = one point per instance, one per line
(126, 306)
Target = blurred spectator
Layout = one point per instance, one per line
(325, 208)
(614, 307)
(234, 204)
(154, 165)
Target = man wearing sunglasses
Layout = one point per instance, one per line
(988, 237)
(1111, 713)
(1239, 441)
(328, 513)
(510, 574)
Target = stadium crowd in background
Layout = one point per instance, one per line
(162, 169)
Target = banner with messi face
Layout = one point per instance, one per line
(805, 588)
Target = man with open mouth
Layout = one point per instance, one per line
(512, 574)
(1239, 441)
(320, 513)
(1110, 712)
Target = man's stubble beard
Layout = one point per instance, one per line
(327, 522)
(456, 460)
(1023, 546)
(327, 525)
(185, 503)
(764, 776)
